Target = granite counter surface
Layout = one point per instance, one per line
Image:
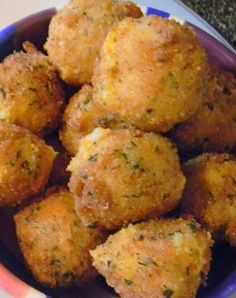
(221, 14)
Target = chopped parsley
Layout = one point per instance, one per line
(168, 293)
(193, 227)
(92, 225)
(147, 262)
(128, 282)
(3, 93)
(93, 158)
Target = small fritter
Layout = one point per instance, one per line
(78, 120)
(210, 193)
(81, 117)
(25, 164)
(213, 126)
(30, 91)
(150, 73)
(54, 243)
(166, 258)
(77, 32)
(124, 176)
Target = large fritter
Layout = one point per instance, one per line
(53, 241)
(77, 32)
(123, 176)
(164, 259)
(30, 91)
(210, 193)
(25, 164)
(213, 126)
(150, 73)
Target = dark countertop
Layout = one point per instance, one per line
(221, 14)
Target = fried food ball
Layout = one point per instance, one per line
(78, 119)
(124, 176)
(81, 117)
(210, 193)
(213, 126)
(77, 32)
(25, 164)
(53, 241)
(166, 258)
(150, 73)
(30, 91)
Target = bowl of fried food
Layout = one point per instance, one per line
(117, 156)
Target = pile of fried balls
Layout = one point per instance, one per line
(150, 129)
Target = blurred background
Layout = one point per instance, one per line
(221, 14)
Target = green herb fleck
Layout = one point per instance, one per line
(92, 225)
(128, 282)
(27, 219)
(55, 262)
(3, 93)
(193, 227)
(93, 158)
(68, 275)
(147, 262)
(166, 195)
(109, 263)
(87, 100)
(168, 293)
(149, 111)
(26, 166)
(18, 154)
(122, 155)
(233, 180)
(226, 91)
(210, 106)
(136, 166)
(231, 196)
(141, 238)
(33, 89)
(133, 144)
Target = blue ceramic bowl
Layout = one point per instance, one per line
(222, 277)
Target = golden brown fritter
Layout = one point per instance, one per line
(54, 243)
(30, 92)
(123, 176)
(81, 117)
(213, 126)
(150, 73)
(78, 119)
(77, 32)
(25, 164)
(166, 258)
(210, 193)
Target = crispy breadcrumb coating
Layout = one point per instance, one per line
(124, 176)
(166, 258)
(31, 95)
(82, 116)
(210, 193)
(150, 72)
(77, 32)
(53, 241)
(213, 126)
(25, 164)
